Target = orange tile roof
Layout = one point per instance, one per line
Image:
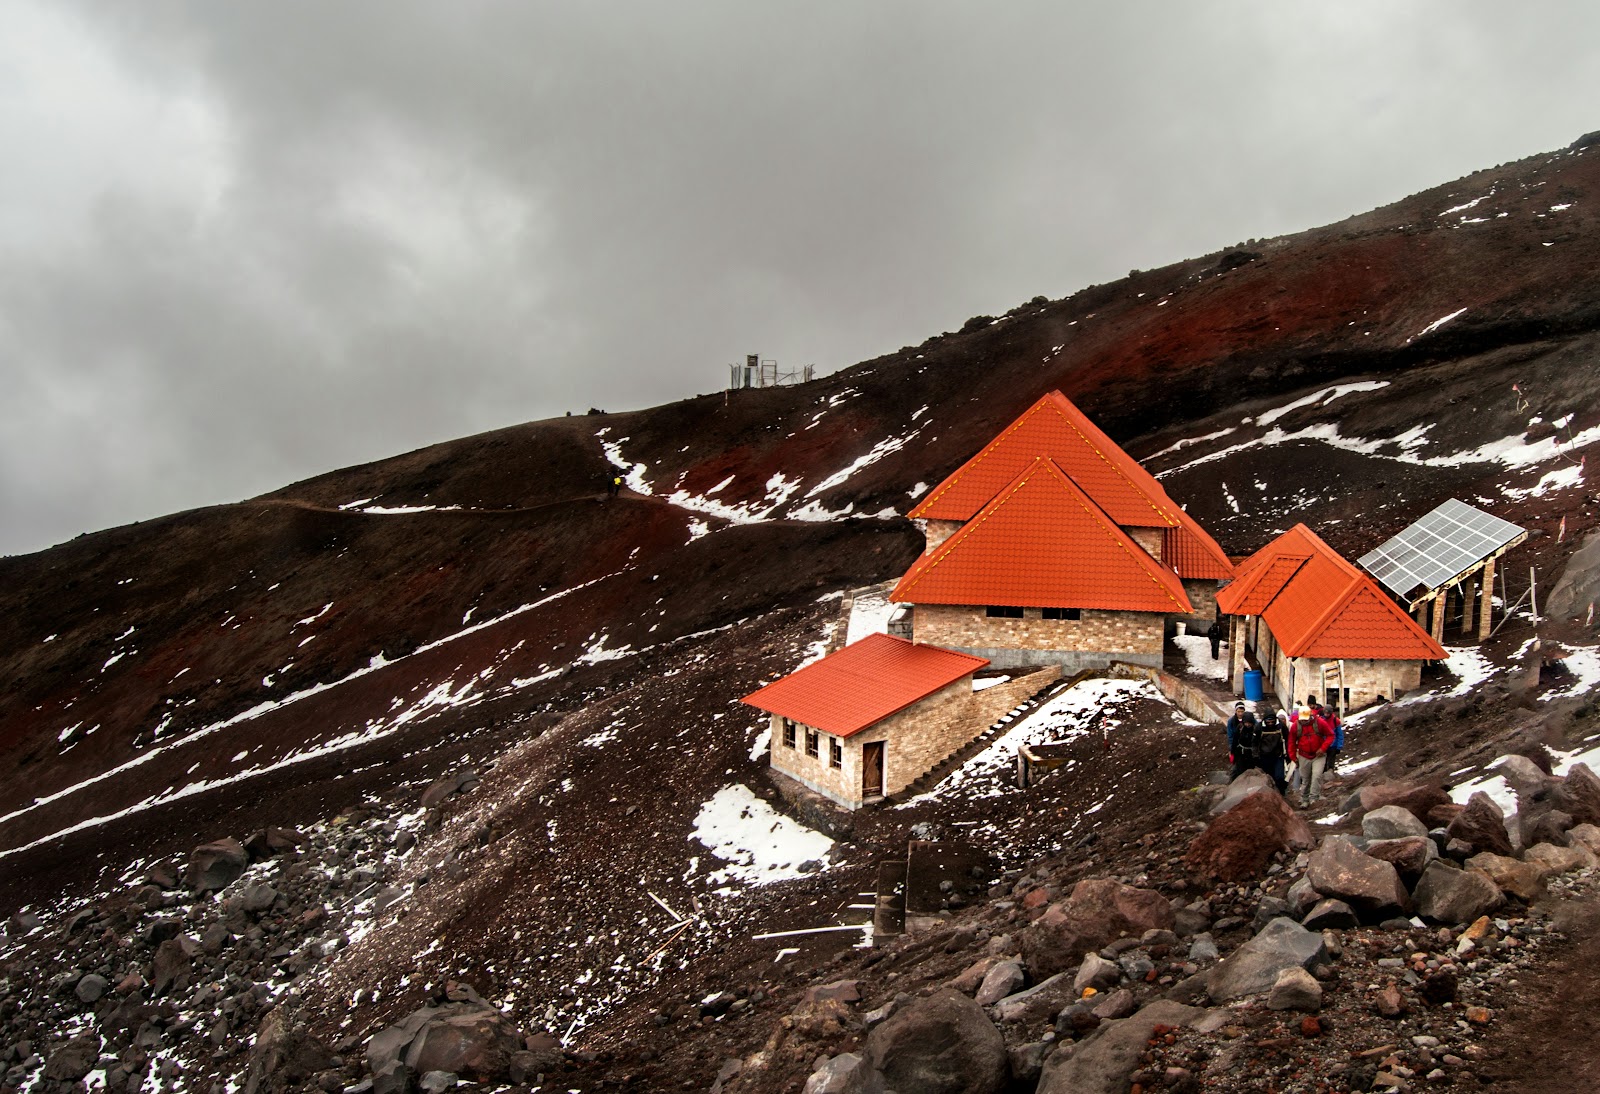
(1253, 591)
(1041, 542)
(1128, 493)
(863, 683)
(1318, 605)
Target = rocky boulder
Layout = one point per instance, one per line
(1254, 966)
(1005, 978)
(1520, 879)
(1250, 782)
(1578, 794)
(1098, 911)
(1103, 1060)
(1559, 860)
(1448, 895)
(1483, 825)
(1409, 855)
(216, 865)
(1586, 836)
(74, 1059)
(1295, 989)
(944, 1044)
(1369, 885)
(1418, 798)
(846, 1073)
(470, 1039)
(1240, 843)
(284, 1056)
(1392, 822)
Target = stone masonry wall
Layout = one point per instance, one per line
(1151, 539)
(916, 739)
(1093, 641)
(936, 532)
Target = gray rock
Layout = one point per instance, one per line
(1038, 1001)
(1295, 989)
(1104, 1059)
(1202, 949)
(435, 1081)
(91, 987)
(1000, 981)
(944, 1044)
(1392, 822)
(1026, 1062)
(1301, 898)
(1254, 966)
(846, 1073)
(1118, 1004)
(216, 865)
(1097, 973)
(1251, 782)
(258, 898)
(1447, 895)
(1330, 914)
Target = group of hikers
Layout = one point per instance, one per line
(1309, 739)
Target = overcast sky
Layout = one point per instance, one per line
(244, 243)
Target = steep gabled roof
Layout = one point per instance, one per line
(863, 683)
(1042, 543)
(1128, 493)
(1252, 592)
(1318, 605)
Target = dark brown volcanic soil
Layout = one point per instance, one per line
(294, 657)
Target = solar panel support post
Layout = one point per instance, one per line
(1439, 603)
(1469, 592)
(1486, 602)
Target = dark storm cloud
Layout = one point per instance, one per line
(249, 243)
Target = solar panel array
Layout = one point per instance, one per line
(1442, 545)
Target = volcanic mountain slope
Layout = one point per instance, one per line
(337, 644)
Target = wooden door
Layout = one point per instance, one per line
(872, 769)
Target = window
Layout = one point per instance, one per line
(788, 733)
(1063, 613)
(836, 755)
(1003, 611)
(811, 743)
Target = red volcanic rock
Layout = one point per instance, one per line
(1240, 843)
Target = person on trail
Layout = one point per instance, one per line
(614, 487)
(1338, 736)
(1310, 735)
(1215, 634)
(1272, 743)
(1233, 727)
(1244, 745)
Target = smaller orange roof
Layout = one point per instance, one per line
(1041, 542)
(863, 683)
(1316, 604)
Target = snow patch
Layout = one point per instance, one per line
(759, 844)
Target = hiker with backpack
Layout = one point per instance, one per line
(1310, 737)
(1244, 741)
(1272, 735)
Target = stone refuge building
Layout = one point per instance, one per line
(868, 721)
(1052, 545)
(1316, 625)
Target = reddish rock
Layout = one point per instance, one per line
(1417, 797)
(1098, 911)
(1370, 886)
(1440, 816)
(1482, 824)
(1310, 1027)
(215, 865)
(1036, 898)
(1240, 843)
(1410, 854)
(1390, 1003)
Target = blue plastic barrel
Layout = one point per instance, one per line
(1252, 685)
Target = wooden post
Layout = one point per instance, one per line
(1439, 604)
(1486, 601)
(1420, 614)
(1469, 592)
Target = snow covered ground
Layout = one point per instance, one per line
(758, 844)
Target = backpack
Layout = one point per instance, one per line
(1270, 745)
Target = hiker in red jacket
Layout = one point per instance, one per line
(1310, 735)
